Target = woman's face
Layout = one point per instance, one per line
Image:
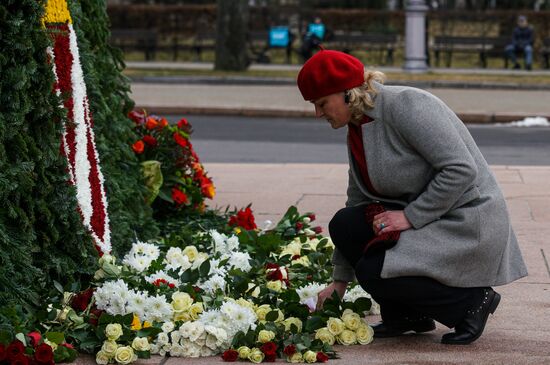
(334, 109)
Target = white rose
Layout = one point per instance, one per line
(347, 338)
(310, 356)
(113, 331)
(109, 348)
(276, 286)
(125, 355)
(167, 327)
(325, 336)
(181, 301)
(191, 252)
(102, 358)
(141, 344)
(351, 320)
(364, 334)
(335, 326)
(265, 336)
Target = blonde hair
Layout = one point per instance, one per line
(361, 98)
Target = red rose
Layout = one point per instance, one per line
(81, 301)
(299, 225)
(151, 123)
(317, 229)
(43, 353)
(14, 349)
(244, 219)
(322, 357)
(163, 123)
(311, 217)
(180, 140)
(3, 353)
(183, 123)
(150, 140)
(138, 147)
(270, 358)
(271, 266)
(295, 257)
(35, 337)
(94, 316)
(20, 360)
(269, 348)
(230, 355)
(179, 196)
(137, 117)
(274, 275)
(289, 350)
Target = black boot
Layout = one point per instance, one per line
(473, 324)
(398, 327)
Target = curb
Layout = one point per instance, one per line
(467, 118)
(246, 80)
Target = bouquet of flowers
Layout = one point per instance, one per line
(175, 178)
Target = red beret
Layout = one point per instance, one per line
(329, 72)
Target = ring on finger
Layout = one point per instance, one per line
(382, 225)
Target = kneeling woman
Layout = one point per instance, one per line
(425, 229)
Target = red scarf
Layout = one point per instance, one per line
(355, 141)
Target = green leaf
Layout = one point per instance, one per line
(55, 337)
(204, 269)
(272, 316)
(153, 179)
(314, 323)
(143, 354)
(58, 286)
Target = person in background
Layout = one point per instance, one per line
(522, 42)
(314, 35)
(425, 229)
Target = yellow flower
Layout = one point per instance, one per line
(310, 356)
(195, 310)
(325, 336)
(275, 285)
(125, 355)
(303, 260)
(141, 344)
(182, 316)
(347, 338)
(292, 321)
(364, 334)
(245, 303)
(101, 358)
(262, 311)
(351, 319)
(181, 302)
(237, 230)
(335, 326)
(296, 357)
(57, 12)
(191, 252)
(147, 324)
(265, 336)
(243, 351)
(256, 356)
(292, 249)
(113, 331)
(109, 348)
(136, 323)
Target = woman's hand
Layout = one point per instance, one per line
(392, 220)
(338, 286)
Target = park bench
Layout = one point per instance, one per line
(260, 42)
(545, 51)
(485, 47)
(142, 40)
(383, 44)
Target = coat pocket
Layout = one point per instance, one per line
(469, 196)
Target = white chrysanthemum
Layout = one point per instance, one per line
(219, 240)
(158, 309)
(176, 350)
(240, 260)
(137, 302)
(111, 297)
(168, 327)
(232, 243)
(196, 331)
(162, 339)
(309, 291)
(137, 263)
(358, 292)
(211, 317)
(213, 284)
(191, 349)
(141, 255)
(164, 276)
(185, 330)
(206, 351)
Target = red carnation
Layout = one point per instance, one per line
(244, 219)
(311, 217)
(14, 349)
(138, 147)
(179, 196)
(299, 225)
(35, 337)
(274, 275)
(20, 359)
(43, 353)
(289, 350)
(269, 348)
(81, 300)
(317, 229)
(270, 357)
(322, 357)
(180, 140)
(230, 355)
(183, 123)
(150, 140)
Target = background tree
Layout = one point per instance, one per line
(231, 35)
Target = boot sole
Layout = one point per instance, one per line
(492, 308)
(419, 329)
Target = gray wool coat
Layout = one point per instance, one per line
(422, 156)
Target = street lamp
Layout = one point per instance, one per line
(415, 36)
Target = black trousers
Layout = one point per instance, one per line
(403, 297)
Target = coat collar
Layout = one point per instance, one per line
(376, 112)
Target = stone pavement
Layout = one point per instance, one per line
(518, 332)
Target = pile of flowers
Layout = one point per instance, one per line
(33, 348)
(174, 176)
(245, 293)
